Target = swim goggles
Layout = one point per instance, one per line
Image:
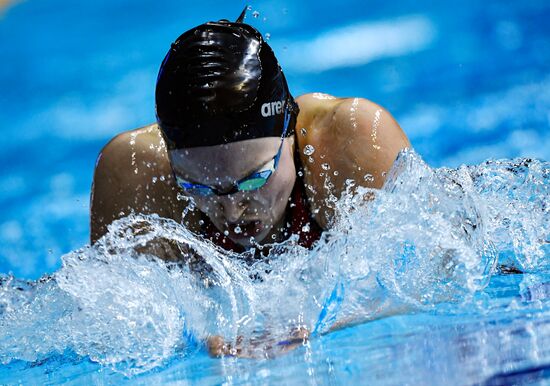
(251, 182)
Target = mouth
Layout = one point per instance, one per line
(245, 230)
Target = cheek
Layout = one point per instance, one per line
(206, 205)
(272, 200)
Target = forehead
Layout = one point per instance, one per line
(232, 159)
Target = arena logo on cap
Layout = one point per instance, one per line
(271, 108)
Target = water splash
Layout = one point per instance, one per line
(429, 236)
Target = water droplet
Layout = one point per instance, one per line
(267, 36)
(162, 178)
(155, 180)
(264, 19)
(238, 229)
(368, 177)
(255, 14)
(336, 172)
(226, 233)
(303, 131)
(249, 8)
(309, 150)
(325, 166)
(350, 183)
(310, 160)
(301, 173)
(201, 222)
(306, 228)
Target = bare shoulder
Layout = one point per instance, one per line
(354, 138)
(133, 175)
(362, 117)
(137, 141)
(314, 104)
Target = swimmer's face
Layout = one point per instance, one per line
(255, 212)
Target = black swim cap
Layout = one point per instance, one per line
(220, 82)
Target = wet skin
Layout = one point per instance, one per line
(354, 137)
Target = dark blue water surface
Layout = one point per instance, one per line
(467, 80)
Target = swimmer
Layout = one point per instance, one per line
(258, 164)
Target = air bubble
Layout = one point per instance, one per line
(309, 150)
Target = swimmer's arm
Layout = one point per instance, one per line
(369, 139)
(130, 177)
(256, 348)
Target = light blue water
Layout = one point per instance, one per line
(467, 81)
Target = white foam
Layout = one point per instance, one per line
(430, 236)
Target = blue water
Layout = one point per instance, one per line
(467, 81)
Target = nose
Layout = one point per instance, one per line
(233, 208)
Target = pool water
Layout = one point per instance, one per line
(428, 302)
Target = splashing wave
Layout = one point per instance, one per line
(429, 236)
